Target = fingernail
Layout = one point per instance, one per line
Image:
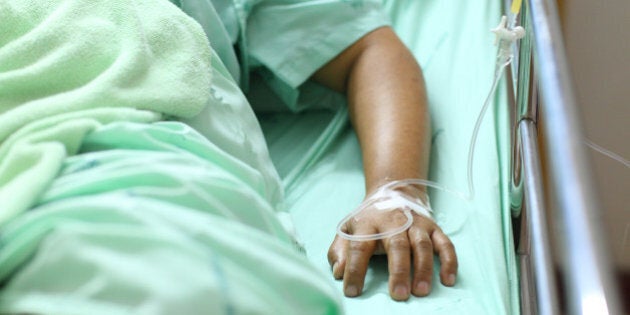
(352, 290)
(422, 288)
(401, 291)
(450, 280)
(334, 268)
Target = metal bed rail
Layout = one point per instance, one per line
(540, 82)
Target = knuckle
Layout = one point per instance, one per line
(415, 230)
(360, 247)
(332, 255)
(353, 270)
(423, 272)
(399, 272)
(450, 262)
(423, 268)
(446, 245)
(398, 243)
(424, 244)
(351, 226)
(399, 217)
(344, 228)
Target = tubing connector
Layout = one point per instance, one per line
(505, 37)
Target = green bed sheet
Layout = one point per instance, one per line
(452, 42)
(156, 218)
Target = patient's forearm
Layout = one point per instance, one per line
(388, 106)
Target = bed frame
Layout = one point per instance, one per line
(564, 269)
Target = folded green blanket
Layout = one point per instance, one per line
(67, 67)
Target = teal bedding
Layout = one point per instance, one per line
(452, 42)
(105, 210)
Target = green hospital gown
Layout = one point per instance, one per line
(283, 42)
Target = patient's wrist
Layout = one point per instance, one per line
(408, 193)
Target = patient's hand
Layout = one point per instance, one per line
(388, 106)
(414, 247)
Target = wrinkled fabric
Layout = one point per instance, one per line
(68, 67)
(283, 42)
(155, 219)
(134, 216)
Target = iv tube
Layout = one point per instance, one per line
(507, 33)
(505, 38)
(422, 208)
(607, 152)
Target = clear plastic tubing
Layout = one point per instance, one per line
(505, 38)
(507, 33)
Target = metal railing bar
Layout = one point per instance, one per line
(546, 294)
(588, 276)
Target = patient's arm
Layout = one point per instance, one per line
(388, 108)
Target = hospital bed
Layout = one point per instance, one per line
(502, 245)
(527, 202)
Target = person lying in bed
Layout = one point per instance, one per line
(351, 49)
(63, 81)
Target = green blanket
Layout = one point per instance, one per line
(103, 210)
(154, 219)
(68, 67)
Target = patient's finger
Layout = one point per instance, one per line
(358, 258)
(399, 265)
(448, 258)
(337, 256)
(422, 249)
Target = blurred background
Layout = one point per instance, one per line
(597, 42)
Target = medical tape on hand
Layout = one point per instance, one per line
(388, 198)
(393, 199)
